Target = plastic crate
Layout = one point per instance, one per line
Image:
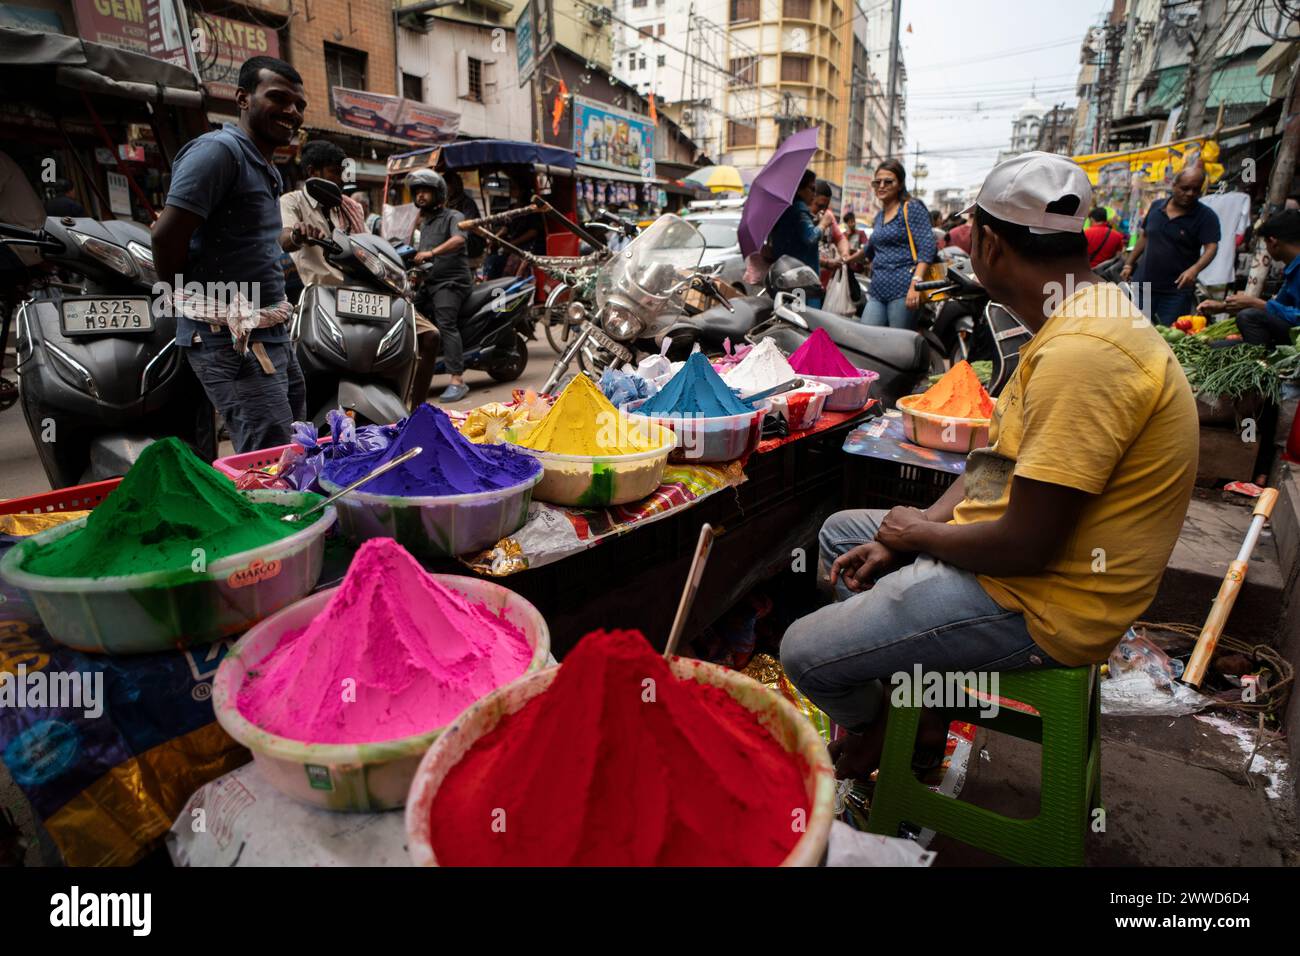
(880, 484)
(74, 498)
(232, 466)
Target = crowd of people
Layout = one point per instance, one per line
(1161, 256)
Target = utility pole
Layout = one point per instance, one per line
(1200, 68)
(1126, 56)
(895, 14)
(1280, 181)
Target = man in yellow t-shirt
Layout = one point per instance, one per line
(1054, 540)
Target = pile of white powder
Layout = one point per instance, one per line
(764, 367)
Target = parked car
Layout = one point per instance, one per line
(721, 242)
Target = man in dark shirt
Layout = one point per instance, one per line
(1180, 236)
(219, 240)
(65, 203)
(460, 200)
(447, 278)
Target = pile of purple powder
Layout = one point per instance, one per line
(449, 465)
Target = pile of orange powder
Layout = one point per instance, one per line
(958, 394)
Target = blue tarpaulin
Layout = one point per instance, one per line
(488, 152)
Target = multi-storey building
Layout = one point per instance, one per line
(462, 59)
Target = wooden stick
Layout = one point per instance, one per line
(1228, 591)
(702, 549)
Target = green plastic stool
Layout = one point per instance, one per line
(1069, 702)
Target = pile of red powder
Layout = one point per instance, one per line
(605, 769)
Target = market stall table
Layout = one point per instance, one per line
(624, 566)
(108, 788)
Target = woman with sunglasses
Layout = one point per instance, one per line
(900, 248)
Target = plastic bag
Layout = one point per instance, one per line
(839, 299)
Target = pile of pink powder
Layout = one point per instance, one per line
(393, 654)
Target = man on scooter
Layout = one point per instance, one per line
(447, 277)
(305, 219)
(1054, 540)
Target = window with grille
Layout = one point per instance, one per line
(795, 68)
(643, 63)
(742, 10)
(475, 80)
(344, 67)
(413, 87)
(740, 134)
(637, 4)
(661, 60)
(744, 70)
(802, 9)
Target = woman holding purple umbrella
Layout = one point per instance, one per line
(900, 248)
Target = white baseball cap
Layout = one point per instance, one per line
(1020, 190)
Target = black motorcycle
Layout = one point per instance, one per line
(495, 326)
(99, 372)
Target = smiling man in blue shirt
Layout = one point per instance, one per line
(1270, 321)
(222, 234)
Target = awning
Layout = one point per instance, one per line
(599, 172)
(96, 68)
(1232, 84)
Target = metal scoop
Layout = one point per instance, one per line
(774, 390)
(385, 467)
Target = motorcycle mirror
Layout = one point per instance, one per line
(326, 193)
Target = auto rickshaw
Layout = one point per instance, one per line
(487, 167)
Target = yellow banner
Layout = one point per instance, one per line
(1157, 164)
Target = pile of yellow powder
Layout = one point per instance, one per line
(583, 422)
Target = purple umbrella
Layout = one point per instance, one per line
(773, 189)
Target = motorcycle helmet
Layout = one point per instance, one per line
(428, 179)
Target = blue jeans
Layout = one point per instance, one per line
(258, 409)
(895, 314)
(1163, 308)
(926, 613)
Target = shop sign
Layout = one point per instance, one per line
(156, 28)
(613, 138)
(221, 45)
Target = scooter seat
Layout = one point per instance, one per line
(483, 293)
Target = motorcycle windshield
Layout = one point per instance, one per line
(653, 266)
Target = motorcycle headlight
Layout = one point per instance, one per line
(143, 257)
(576, 312)
(112, 255)
(622, 324)
(383, 270)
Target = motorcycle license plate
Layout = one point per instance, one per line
(97, 316)
(367, 305)
(604, 341)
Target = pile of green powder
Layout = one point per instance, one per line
(168, 505)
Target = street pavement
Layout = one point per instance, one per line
(21, 473)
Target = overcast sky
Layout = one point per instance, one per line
(971, 64)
